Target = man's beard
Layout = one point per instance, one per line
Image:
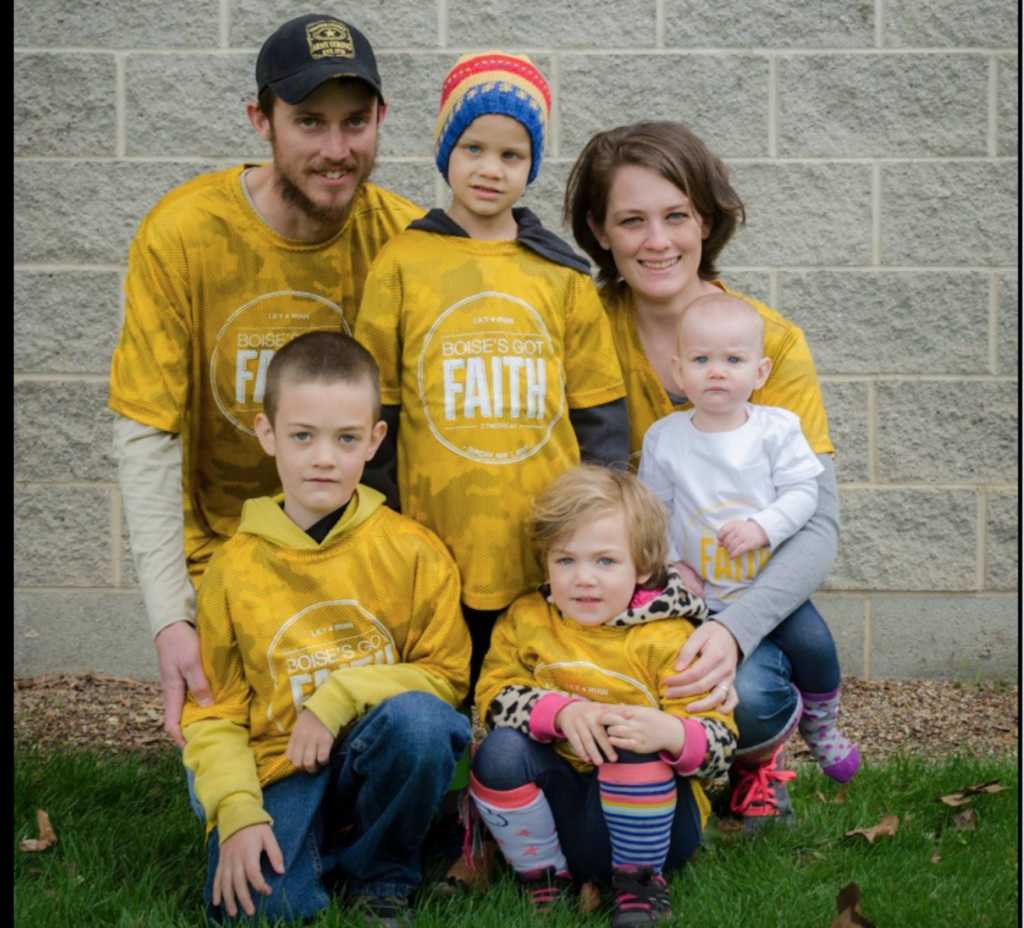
(293, 195)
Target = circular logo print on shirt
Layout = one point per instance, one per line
(327, 636)
(246, 343)
(490, 383)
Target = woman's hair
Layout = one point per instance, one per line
(587, 492)
(674, 152)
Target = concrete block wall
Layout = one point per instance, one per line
(875, 143)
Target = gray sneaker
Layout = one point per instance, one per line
(383, 911)
(759, 794)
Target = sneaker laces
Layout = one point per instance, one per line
(641, 890)
(754, 793)
(545, 887)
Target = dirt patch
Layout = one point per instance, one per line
(930, 718)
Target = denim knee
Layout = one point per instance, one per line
(501, 762)
(806, 640)
(768, 700)
(421, 724)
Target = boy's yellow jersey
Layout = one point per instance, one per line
(533, 645)
(792, 384)
(211, 292)
(486, 346)
(286, 623)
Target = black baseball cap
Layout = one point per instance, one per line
(311, 49)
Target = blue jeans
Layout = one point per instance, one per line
(508, 759)
(364, 817)
(798, 655)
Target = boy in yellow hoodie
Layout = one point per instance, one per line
(498, 369)
(331, 633)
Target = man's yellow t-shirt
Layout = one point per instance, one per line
(212, 291)
(485, 345)
(792, 383)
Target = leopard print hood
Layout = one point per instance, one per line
(673, 601)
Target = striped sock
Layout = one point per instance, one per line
(639, 803)
(522, 824)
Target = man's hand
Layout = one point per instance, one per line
(644, 730)
(713, 671)
(181, 668)
(580, 724)
(691, 579)
(309, 747)
(738, 536)
(238, 868)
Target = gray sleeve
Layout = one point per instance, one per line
(149, 475)
(602, 432)
(795, 571)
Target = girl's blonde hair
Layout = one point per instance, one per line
(588, 491)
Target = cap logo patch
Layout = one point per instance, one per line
(329, 39)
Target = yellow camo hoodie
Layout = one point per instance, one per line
(335, 627)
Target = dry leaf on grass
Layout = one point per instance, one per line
(848, 906)
(47, 836)
(590, 898)
(964, 796)
(936, 857)
(838, 799)
(474, 876)
(965, 821)
(886, 828)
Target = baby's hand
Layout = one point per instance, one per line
(310, 744)
(580, 725)
(738, 536)
(644, 730)
(691, 579)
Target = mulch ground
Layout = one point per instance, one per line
(930, 718)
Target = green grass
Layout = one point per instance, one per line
(130, 853)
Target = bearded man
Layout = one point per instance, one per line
(222, 272)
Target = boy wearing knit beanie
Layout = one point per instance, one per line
(498, 370)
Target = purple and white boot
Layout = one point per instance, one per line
(836, 755)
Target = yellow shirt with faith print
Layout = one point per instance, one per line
(486, 346)
(335, 627)
(792, 383)
(212, 291)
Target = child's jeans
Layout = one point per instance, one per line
(364, 817)
(508, 759)
(798, 653)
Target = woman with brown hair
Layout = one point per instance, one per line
(653, 207)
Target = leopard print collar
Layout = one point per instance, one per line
(673, 601)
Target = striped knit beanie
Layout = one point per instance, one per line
(492, 82)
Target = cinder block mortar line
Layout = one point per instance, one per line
(892, 377)
(555, 82)
(774, 293)
(867, 637)
(115, 537)
(68, 484)
(730, 50)
(773, 107)
(993, 105)
(60, 268)
(225, 24)
(876, 214)
(55, 378)
(931, 485)
(123, 591)
(659, 23)
(993, 324)
(880, 23)
(204, 159)
(982, 538)
(872, 422)
(442, 23)
(120, 131)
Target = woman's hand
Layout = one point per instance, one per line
(644, 730)
(580, 725)
(713, 671)
(691, 579)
